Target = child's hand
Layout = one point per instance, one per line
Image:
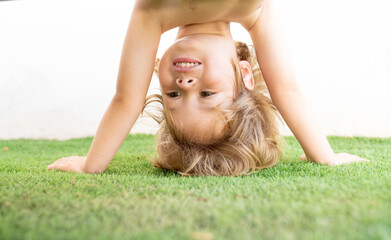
(341, 158)
(69, 164)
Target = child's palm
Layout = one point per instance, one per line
(69, 164)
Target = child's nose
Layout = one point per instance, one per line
(186, 83)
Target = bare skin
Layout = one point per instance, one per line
(207, 22)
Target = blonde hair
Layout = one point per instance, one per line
(251, 139)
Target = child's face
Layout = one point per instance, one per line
(190, 94)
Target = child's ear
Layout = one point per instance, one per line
(247, 75)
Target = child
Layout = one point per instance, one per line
(217, 118)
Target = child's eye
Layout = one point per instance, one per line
(205, 94)
(173, 94)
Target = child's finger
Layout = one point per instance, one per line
(59, 167)
(303, 157)
(55, 162)
(362, 160)
(61, 160)
(54, 165)
(358, 159)
(65, 168)
(50, 166)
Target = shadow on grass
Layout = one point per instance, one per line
(283, 169)
(142, 171)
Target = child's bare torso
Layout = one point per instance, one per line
(174, 13)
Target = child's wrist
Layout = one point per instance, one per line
(83, 165)
(326, 159)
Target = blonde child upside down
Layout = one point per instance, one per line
(220, 99)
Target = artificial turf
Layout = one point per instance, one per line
(134, 200)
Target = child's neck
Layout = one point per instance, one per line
(219, 28)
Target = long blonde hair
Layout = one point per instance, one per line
(251, 138)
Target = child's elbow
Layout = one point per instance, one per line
(285, 88)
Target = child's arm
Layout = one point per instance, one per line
(276, 66)
(135, 73)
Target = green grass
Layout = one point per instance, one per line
(133, 200)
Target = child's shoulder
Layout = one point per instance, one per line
(175, 13)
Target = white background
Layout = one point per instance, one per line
(59, 62)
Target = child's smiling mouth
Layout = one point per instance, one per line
(185, 64)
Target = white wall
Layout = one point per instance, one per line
(59, 62)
